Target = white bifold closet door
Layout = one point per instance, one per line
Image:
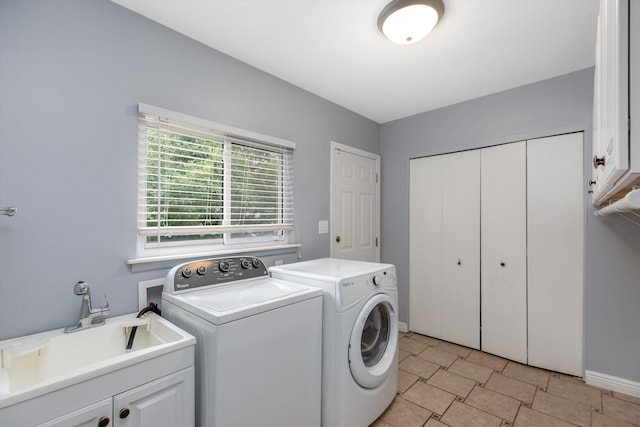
(425, 246)
(504, 250)
(445, 247)
(461, 248)
(555, 211)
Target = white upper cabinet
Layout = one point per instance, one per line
(616, 160)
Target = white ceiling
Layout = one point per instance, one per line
(332, 48)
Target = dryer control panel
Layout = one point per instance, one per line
(215, 271)
(352, 290)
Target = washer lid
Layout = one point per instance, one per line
(235, 301)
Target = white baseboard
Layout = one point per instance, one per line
(403, 327)
(621, 385)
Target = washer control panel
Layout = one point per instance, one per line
(215, 271)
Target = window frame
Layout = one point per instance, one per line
(230, 242)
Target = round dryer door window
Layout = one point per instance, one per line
(374, 340)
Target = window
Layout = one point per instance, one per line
(201, 183)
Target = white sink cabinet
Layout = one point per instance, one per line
(167, 401)
(88, 378)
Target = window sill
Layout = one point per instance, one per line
(161, 261)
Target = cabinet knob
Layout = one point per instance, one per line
(459, 262)
(598, 161)
(502, 264)
(592, 182)
(337, 239)
(124, 413)
(103, 422)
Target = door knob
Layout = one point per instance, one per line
(337, 239)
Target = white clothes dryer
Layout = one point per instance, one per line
(360, 336)
(258, 342)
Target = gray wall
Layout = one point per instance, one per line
(612, 250)
(71, 75)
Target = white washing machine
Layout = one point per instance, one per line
(258, 342)
(360, 336)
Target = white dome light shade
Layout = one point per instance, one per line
(406, 22)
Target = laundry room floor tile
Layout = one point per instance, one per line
(471, 370)
(412, 346)
(442, 358)
(576, 392)
(404, 413)
(419, 367)
(452, 383)
(405, 380)
(446, 384)
(429, 397)
(517, 389)
(530, 375)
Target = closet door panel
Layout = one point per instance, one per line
(504, 251)
(461, 248)
(425, 246)
(555, 210)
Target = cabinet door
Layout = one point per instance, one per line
(98, 414)
(555, 226)
(504, 251)
(611, 95)
(461, 248)
(425, 246)
(166, 402)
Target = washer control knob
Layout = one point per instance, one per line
(187, 272)
(377, 280)
(202, 270)
(245, 263)
(256, 262)
(224, 266)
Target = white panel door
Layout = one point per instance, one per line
(425, 246)
(504, 251)
(355, 204)
(555, 226)
(461, 248)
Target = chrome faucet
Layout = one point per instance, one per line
(89, 317)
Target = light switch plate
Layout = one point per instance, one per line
(323, 227)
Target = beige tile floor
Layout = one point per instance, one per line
(443, 384)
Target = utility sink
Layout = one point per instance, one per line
(37, 364)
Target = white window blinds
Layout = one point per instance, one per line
(199, 183)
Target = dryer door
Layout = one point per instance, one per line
(374, 340)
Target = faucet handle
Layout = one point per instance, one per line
(102, 310)
(105, 307)
(81, 288)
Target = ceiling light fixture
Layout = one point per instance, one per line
(409, 21)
